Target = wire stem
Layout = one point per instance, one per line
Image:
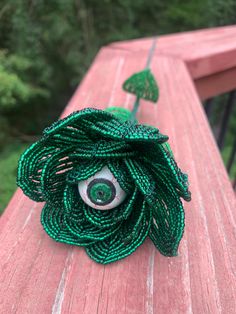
(135, 109)
(149, 59)
(151, 53)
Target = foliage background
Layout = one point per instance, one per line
(47, 46)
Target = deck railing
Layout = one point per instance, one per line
(39, 275)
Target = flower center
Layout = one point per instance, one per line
(101, 191)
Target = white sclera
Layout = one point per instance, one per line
(105, 173)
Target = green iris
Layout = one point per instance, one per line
(101, 191)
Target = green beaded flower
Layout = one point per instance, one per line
(108, 183)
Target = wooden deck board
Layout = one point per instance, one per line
(210, 217)
(205, 51)
(39, 275)
(178, 40)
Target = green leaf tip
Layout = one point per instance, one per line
(143, 85)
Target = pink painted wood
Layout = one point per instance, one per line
(39, 275)
(204, 51)
(216, 84)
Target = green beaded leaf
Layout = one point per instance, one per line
(75, 149)
(73, 121)
(143, 85)
(55, 224)
(85, 170)
(161, 161)
(86, 230)
(143, 179)
(168, 214)
(132, 235)
(72, 204)
(111, 217)
(129, 132)
(53, 175)
(168, 221)
(120, 171)
(30, 167)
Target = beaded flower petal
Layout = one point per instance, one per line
(75, 149)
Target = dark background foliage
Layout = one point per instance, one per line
(47, 46)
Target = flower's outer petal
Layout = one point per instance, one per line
(65, 133)
(68, 223)
(120, 172)
(85, 170)
(168, 220)
(143, 179)
(111, 217)
(73, 205)
(127, 131)
(131, 236)
(76, 119)
(168, 214)
(78, 224)
(30, 167)
(67, 137)
(88, 232)
(161, 161)
(53, 175)
(104, 149)
(54, 223)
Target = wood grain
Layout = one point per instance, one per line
(39, 275)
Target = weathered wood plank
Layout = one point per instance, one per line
(205, 51)
(216, 84)
(210, 217)
(179, 40)
(42, 276)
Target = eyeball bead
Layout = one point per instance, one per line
(102, 191)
